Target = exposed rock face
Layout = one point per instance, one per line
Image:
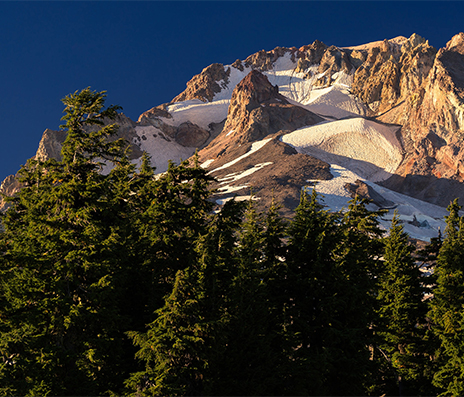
(126, 130)
(205, 85)
(432, 116)
(390, 73)
(191, 135)
(9, 187)
(310, 55)
(49, 148)
(187, 134)
(154, 117)
(334, 60)
(50, 145)
(264, 60)
(257, 110)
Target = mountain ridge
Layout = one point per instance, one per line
(399, 96)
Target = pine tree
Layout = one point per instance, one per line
(446, 306)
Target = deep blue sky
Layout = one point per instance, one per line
(143, 53)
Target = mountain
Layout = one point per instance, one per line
(384, 120)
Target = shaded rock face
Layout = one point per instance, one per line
(186, 134)
(205, 85)
(154, 117)
(50, 145)
(363, 190)
(191, 135)
(256, 110)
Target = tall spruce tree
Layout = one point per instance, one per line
(313, 302)
(251, 359)
(60, 265)
(183, 348)
(401, 324)
(446, 306)
(358, 254)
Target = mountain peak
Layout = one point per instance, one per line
(254, 90)
(456, 43)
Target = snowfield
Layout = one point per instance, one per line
(197, 112)
(352, 139)
(161, 148)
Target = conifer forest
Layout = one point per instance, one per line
(126, 282)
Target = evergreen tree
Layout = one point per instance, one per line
(183, 347)
(356, 259)
(446, 306)
(401, 324)
(313, 303)
(60, 265)
(249, 365)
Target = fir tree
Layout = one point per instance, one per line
(401, 323)
(183, 347)
(446, 306)
(60, 265)
(313, 302)
(250, 361)
(357, 259)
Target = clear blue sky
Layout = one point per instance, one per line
(143, 53)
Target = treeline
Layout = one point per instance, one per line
(124, 282)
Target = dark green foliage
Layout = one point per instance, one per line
(81, 265)
(184, 345)
(61, 267)
(401, 326)
(446, 307)
(126, 282)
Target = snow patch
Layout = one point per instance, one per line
(197, 112)
(254, 147)
(230, 189)
(239, 175)
(207, 163)
(336, 197)
(237, 198)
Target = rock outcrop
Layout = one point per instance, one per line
(432, 116)
(50, 145)
(186, 134)
(205, 85)
(264, 60)
(390, 73)
(256, 110)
